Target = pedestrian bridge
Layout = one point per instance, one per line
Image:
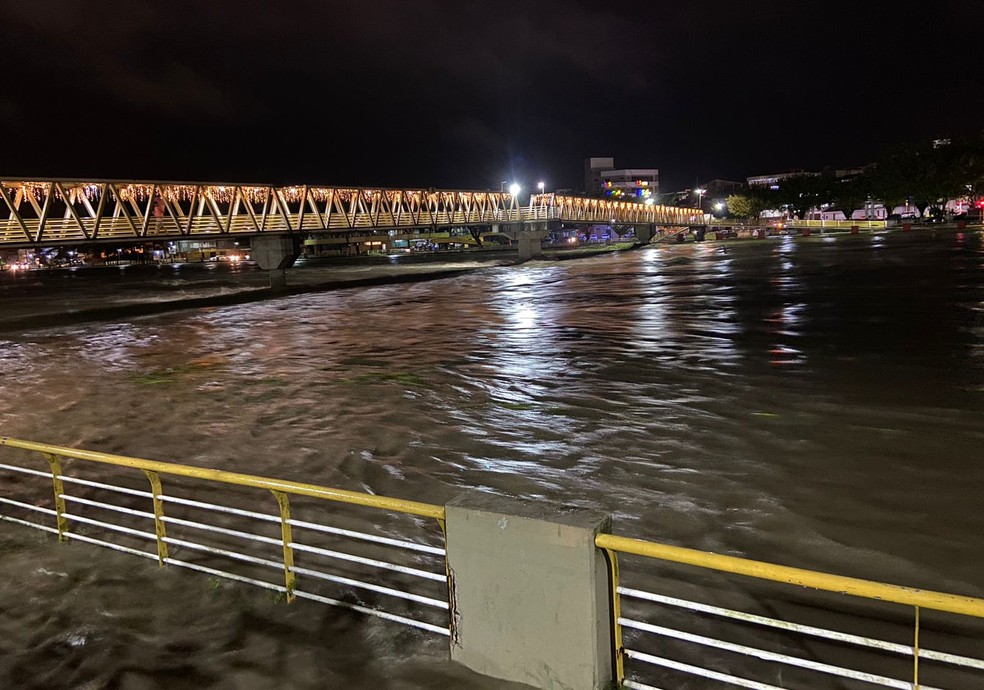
(58, 212)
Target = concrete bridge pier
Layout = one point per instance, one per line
(274, 253)
(644, 234)
(529, 245)
(527, 236)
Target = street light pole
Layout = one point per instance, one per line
(700, 193)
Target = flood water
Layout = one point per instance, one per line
(814, 403)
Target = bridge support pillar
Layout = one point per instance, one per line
(274, 253)
(278, 279)
(644, 234)
(529, 245)
(530, 592)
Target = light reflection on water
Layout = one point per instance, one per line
(812, 403)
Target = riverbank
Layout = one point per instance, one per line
(46, 298)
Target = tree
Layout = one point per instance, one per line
(745, 205)
(850, 193)
(930, 172)
(800, 193)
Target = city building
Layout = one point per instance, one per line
(593, 167)
(601, 178)
(718, 188)
(772, 180)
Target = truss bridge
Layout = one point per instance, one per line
(38, 213)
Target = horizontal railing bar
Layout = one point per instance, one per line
(223, 552)
(873, 643)
(110, 545)
(219, 508)
(29, 506)
(635, 685)
(955, 659)
(771, 622)
(413, 546)
(106, 506)
(110, 526)
(437, 603)
(698, 671)
(938, 601)
(370, 561)
(374, 612)
(884, 681)
(221, 530)
(222, 573)
(25, 470)
(299, 488)
(110, 487)
(240, 578)
(28, 523)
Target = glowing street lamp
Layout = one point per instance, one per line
(514, 189)
(700, 193)
(541, 185)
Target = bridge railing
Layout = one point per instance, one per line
(676, 613)
(283, 536)
(754, 636)
(836, 224)
(822, 224)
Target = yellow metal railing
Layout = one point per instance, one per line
(612, 545)
(835, 224)
(738, 223)
(938, 601)
(313, 490)
(907, 596)
(281, 490)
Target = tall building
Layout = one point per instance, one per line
(601, 178)
(593, 168)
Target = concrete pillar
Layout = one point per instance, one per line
(278, 279)
(644, 234)
(529, 245)
(530, 592)
(274, 253)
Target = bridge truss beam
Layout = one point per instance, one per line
(54, 212)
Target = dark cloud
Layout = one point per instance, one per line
(465, 94)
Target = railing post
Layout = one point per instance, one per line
(618, 649)
(290, 580)
(62, 521)
(157, 491)
(915, 654)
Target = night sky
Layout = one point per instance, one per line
(460, 94)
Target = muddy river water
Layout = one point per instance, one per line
(814, 403)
